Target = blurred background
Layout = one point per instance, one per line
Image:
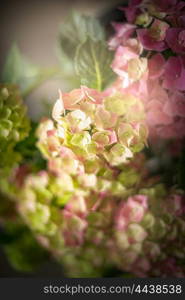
(34, 26)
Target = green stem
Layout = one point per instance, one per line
(99, 80)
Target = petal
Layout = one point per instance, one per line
(58, 108)
(172, 39)
(149, 42)
(155, 65)
(172, 72)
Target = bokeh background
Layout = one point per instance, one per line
(34, 26)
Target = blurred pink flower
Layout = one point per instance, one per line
(175, 38)
(153, 38)
(123, 32)
(73, 228)
(131, 211)
(174, 74)
(156, 114)
(120, 63)
(71, 100)
(156, 66)
(176, 105)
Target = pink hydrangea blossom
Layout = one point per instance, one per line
(71, 100)
(154, 37)
(131, 211)
(156, 114)
(123, 32)
(174, 74)
(176, 105)
(175, 38)
(156, 66)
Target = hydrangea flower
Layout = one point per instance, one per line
(175, 38)
(14, 125)
(93, 128)
(153, 38)
(156, 75)
(82, 221)
(97, 198)
(174, 74)
(123, 32)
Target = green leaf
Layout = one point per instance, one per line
(18, 70)
(92, 63)
(75, 30)
(94, 29)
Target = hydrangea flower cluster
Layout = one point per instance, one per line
(92, 228)
(14, 124)
(149, 61)
(96, 208)
(93, 127)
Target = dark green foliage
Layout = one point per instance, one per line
(22, 250)
(29, 151)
